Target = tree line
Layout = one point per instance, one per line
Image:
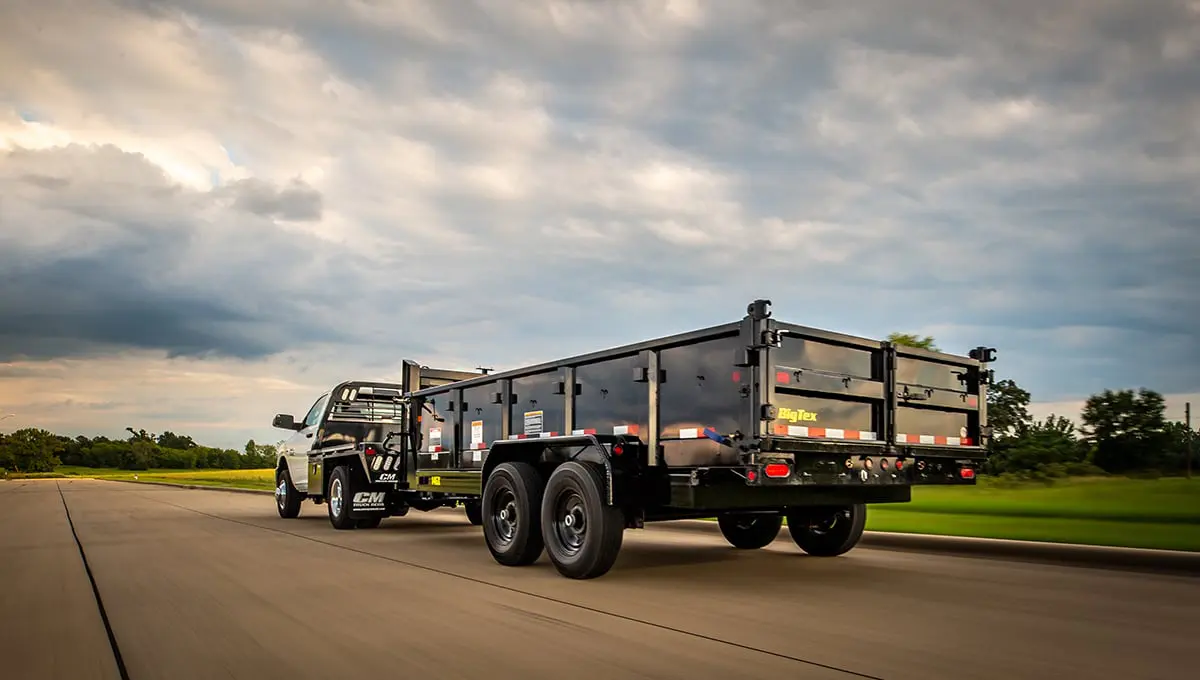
(1120, 432)
(37, 450)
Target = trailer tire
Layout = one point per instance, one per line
(510, 511)
(287, 497)
(749, 531)
(340, 493)
(369, 522)
(583, 534)
(827, 532)
(474, 512)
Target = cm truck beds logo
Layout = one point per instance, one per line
(369, 499)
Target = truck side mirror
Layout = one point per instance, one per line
(284, 421)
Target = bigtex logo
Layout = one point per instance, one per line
(793, 415)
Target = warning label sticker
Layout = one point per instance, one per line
(435, 435)
(533, 422)
(476, 432)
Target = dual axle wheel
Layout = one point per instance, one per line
(819, 531)
(566, 517)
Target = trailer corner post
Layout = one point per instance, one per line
(652, 453)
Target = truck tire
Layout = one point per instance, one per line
(511, 505)
(582, 533)
(749, 531)
(369, 522)
(827, 532)
(474, 512)
(340, 493)
(287, 497)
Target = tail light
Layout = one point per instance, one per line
(618, 450)
(967, 473)
(777, 470)
(369, 450)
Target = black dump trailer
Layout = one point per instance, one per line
(751, 422)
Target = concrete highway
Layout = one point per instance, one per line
(211, 584)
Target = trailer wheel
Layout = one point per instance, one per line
(749, 531)
(512, 528)
(583, 534)
(340, 493)
(474, 512)
(287, 497)
(827, 532)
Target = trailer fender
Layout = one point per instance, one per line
(547, 453)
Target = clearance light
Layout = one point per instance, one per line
(369, 450)
(899, 464)
(783, 377)
(777, 470)
(967, 473)
(751, 475)
(618, 450)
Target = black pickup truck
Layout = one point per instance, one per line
(751, 422)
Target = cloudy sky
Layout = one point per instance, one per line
(211, 210)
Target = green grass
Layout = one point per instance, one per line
(238, 479)
(1117, 511)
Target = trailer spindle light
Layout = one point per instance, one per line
(967, 473)
(776, 470)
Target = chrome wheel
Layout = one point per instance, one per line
(335, 497)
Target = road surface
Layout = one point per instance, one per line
(210, 584)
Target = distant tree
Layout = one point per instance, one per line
(911, 340)
(31, 450)
(1008, 409)
(1127, 430)
(1037, 446)
(171, 440)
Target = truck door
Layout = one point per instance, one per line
(298, 446)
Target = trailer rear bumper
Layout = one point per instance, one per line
(779, 480)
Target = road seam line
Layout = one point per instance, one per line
(112, 638)
(518, 591)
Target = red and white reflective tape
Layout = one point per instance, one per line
(477, 446)
(533, 436)
(824, 432)
(625, 429)
(933, 439)
(691, 432)
(434, 448)
(587, 430)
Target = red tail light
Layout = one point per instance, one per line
(618, 450)
(777, 470)
(369, 450)
(967, 473)
(899, 464)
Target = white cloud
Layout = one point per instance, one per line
(345, 184)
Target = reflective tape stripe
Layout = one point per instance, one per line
(785, 430)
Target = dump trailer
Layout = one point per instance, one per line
(751, 423)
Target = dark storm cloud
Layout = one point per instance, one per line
(1013, 173)
(296, 202)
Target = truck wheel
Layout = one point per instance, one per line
(287, 497)
(749, 531)
(340, 493)
(827, 532)
(582, 533)
(512, 528)
(474, 512)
